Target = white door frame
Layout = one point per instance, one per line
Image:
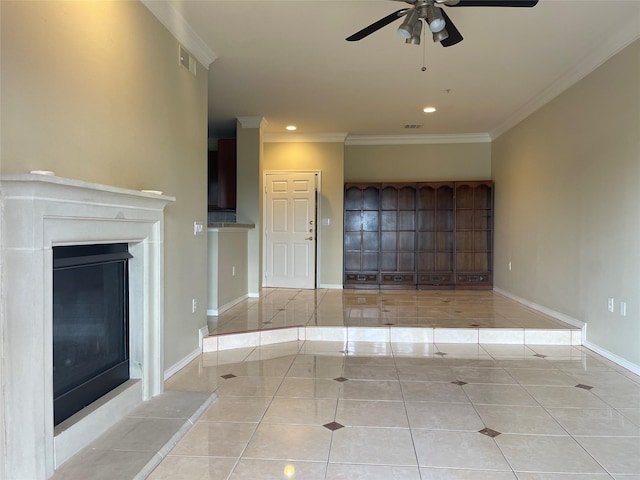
(318, 230)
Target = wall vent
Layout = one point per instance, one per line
(186, 60)
(412, 126)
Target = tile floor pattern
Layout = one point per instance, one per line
(326, 410)
(431, 411)
(371, 308)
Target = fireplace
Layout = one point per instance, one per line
(90, 324)
(42, 216)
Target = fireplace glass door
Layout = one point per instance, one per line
(90, 324)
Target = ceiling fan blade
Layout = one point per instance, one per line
(454, 35)
(495, 3)
(375, 26)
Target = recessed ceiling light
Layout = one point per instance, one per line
(291, 128)
(429, 109)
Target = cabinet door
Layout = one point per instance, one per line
(361, 235)
(474, 234)
(227, 173)
(398, 235)
(435, 231)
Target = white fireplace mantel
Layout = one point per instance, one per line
(40, 212)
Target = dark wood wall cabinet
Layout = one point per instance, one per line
(222, 175)
(431, 235)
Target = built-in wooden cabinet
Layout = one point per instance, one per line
(474, 233)
(436, 220)
(431, 235)
(362, 235)
(398, 236)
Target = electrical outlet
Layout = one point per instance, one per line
(194, 305)
(233, 271)
(610, 304)
(623, 309)
(509, 266)
(198, 228)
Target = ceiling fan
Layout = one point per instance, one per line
(438, 22)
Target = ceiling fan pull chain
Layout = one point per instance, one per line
(424, 50)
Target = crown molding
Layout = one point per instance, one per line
(416, 139)
(622, 38)
(305, 138)
(252, 122)
(173, 20)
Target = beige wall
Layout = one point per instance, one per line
(93, 91)
(329, 159)
(429, 162)
(567, 205)
(249, 196)
(340, 164)
(227, 272)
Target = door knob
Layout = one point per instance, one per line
(309, 238)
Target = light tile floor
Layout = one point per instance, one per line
(431, 411)
(444, 411)
(373, 308)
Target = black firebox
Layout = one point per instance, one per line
(90, 324)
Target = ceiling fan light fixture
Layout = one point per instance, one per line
(441, 35)
(417, 33)
(429, 109)
(435, 19)
(405, 30)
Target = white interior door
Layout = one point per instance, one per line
(290, 230)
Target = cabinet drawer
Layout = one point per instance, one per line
(397, 278)
(358, 278)
(474, 279)
(435, 279)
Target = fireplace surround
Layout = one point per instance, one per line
(40, 212)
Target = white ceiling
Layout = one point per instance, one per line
(288, 61)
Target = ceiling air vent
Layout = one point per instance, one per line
(412, 126)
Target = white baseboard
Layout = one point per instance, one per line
(253, 295)
(202, 332)
(176, 367)
(331, 286)
(632, 367)
(542, 309)
(212, 312)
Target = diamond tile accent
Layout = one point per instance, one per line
(341, 379)
(228, 376)
(489, 432)
(474, 325)
(459, 382)
(585, 387)
(389, 323)
(333, 426)
(539, 355)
